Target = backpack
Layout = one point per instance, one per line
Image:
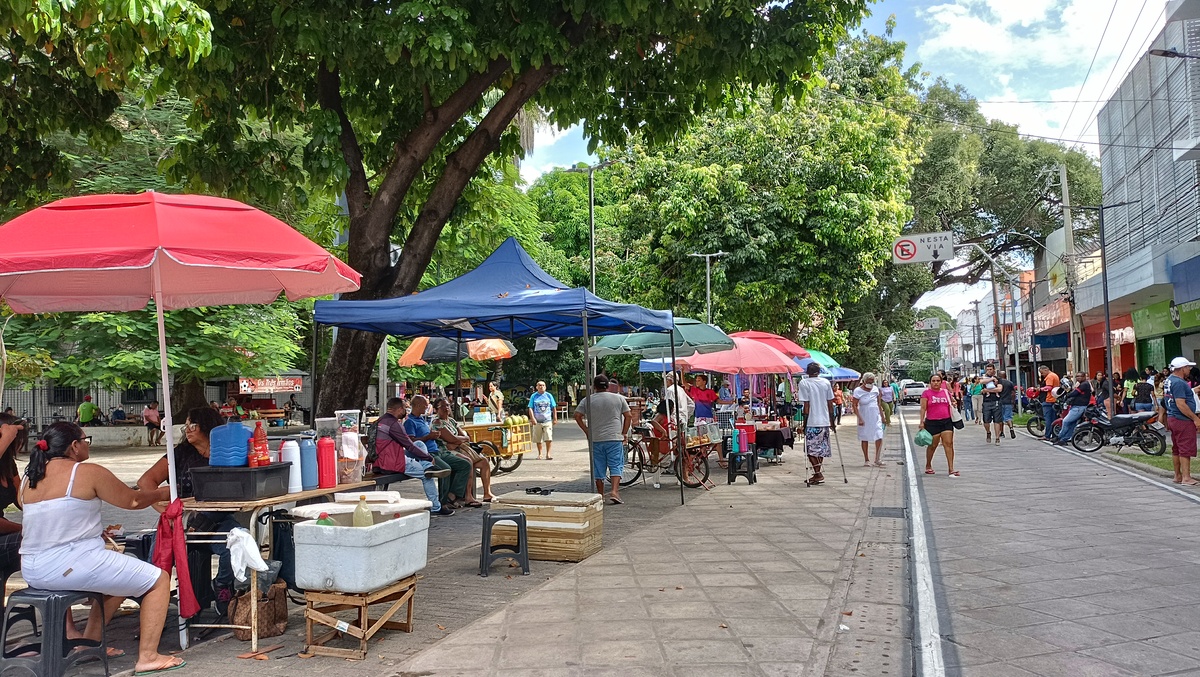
(372, 432)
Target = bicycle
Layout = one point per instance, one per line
(695, 468)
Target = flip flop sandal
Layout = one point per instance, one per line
(616, 501)
(929, 471)
(955, 474)
(156, 671)
(473, 504)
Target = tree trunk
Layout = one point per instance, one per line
(348, 371)
(185, 396)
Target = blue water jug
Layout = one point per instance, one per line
(229, 445)
(308, 463)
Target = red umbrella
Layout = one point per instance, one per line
(116, 252)
(783, 345)
(747, 357)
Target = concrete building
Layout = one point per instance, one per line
(1149, 148)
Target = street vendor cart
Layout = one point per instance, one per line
(502, 444)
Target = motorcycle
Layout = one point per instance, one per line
(1140, 430)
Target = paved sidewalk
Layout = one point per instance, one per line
(744, 580)
(1048, 564)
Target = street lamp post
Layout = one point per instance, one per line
(1108, 354)
(591, 174)
(708, 281)
(1172, 53)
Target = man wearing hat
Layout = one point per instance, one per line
(87, 412)
(1182, 419)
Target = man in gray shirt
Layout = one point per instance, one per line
(605, 418)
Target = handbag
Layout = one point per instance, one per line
(272, 613)
(956, 418)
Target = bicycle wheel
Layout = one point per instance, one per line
(1036, 426)
(635, 462)
(499, 462)
(694, 468)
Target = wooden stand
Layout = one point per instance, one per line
(319, 606)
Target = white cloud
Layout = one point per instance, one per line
(545, 136)
(1037, 50)
(530, 172)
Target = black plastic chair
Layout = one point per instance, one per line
(54, 653)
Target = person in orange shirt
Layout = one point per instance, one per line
(837, 404)
(1050, 381)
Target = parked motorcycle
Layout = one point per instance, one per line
(1140, 430)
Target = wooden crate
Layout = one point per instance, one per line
(562, 527)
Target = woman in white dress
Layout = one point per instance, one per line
(870, 419)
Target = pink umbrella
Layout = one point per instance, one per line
(747, 357)
(116, 252)
(783, 345)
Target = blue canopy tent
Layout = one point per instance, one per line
(845, 374)
(804, 362)
(507, 296)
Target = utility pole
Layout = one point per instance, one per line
(1076, 331)
(1000, 356)
(976, 356)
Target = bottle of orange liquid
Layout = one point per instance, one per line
(262, 452)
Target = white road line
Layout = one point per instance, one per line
(929, 633)
(1113, 466)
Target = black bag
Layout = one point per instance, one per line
(283, 545)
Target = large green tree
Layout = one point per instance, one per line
(804, 197)
(404, 101)
(64, 64)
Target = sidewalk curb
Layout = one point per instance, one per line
(1140, 467)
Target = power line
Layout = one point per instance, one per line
(1091, 64)
(1091, 115)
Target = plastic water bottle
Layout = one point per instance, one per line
(325, 520)
(229, 445)
(362, 514)
(308, 464)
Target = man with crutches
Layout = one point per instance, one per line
(817, 395)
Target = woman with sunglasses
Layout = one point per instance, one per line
(193, 452)
(935, 419)
(63, 549)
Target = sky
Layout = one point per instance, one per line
(1044, 65)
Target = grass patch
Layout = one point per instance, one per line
(1163, 462)
(1019, 420)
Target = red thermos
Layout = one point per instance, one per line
(326, 463)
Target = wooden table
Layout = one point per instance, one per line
(255, 507)
(319, 606)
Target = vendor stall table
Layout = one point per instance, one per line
(562, 527)
(319, 606)
(773, 440)
(255, 507)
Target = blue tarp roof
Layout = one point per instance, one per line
(507, 296)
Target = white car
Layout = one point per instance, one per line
(912, 392)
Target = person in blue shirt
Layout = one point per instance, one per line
(541, 417)
(453, 489)
(1183, 417)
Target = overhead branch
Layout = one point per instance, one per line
(329, 94)
(461, 165)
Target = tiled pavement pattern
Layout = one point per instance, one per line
(1047, 564)
(742, 581)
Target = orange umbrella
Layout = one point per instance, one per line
(428, 350)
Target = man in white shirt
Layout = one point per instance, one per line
(817, 397)
(679, 396)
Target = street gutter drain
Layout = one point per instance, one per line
(894, 513)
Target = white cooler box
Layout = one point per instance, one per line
(360, 559)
